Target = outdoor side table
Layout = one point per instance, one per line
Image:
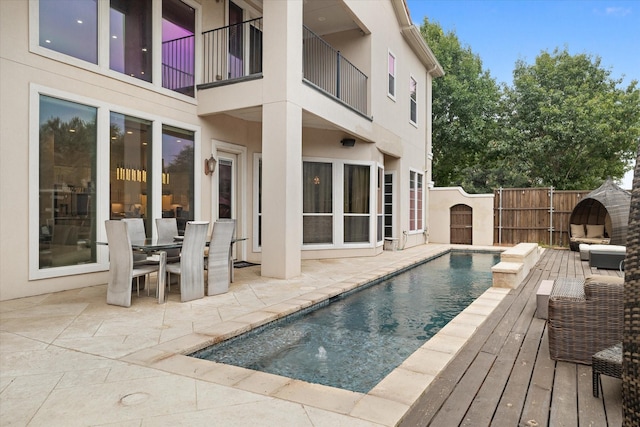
(607, 362)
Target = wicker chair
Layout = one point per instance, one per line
(585, 316)
(631, 337)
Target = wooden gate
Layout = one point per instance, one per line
(461, 225)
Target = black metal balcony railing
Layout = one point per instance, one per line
(233, 51)
(328, 70)
(178, 63)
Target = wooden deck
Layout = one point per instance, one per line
(504, 375)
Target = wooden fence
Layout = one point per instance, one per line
(534, 215)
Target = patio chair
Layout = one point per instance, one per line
(219, 263)
(136, 231)
(167, 231)
(191, 265)
(585, 316)
(121, 266)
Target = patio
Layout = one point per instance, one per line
(70, 359)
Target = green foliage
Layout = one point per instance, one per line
(565, 122)
(572, 124)
(465, 104)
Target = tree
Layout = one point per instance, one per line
(465, 108)
(568, 123)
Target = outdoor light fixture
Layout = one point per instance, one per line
(348, 142)
(210, 165)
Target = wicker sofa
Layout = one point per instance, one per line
(585, 316)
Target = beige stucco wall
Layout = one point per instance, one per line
(440, 202)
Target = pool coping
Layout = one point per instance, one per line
(385, 404)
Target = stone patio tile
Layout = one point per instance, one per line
(263, 383)
(379, 410)
(427, 361)
(319, 396)
(444, 343)
(402, 386)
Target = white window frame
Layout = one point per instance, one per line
(102, 174)
(338, 204)
(390, 54)
(103, 48)
(413, 101)
(257, 214)
(411, 202)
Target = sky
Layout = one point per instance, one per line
(501, 32)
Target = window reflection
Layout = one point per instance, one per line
(130, 168)
(67, 176)
(178, 46)
(317, 222)
(130, 38)
(177, 175)
(70, 27)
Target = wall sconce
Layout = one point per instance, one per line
(348, 142)
(210, 165)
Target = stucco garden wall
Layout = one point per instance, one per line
(440, 202)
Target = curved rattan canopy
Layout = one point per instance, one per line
(608, 205)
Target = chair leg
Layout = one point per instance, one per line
(596, 384)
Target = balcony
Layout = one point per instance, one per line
(327, 70)
(234, 54)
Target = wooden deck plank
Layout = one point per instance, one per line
(591, 411)
(538, 401)
(611, 393)
(564, 405)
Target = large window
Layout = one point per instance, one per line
(392, 75)
(413, 87)
(130, 38)
(70, 27)
(177, 175)
(357, 205)
(415, 200)
(130, 168)
(178, 46)
(317, 204)
(67, 178)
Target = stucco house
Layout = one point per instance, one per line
(306, 121)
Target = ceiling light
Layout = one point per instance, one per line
(129, 132)
(114, 37)
(47, 41)
(321, 18)
(79, 21)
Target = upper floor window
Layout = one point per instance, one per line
(413, 85)
(70, 27)
(392, 75)
(130, 38)
(415, 200)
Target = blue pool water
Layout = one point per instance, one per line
(354, 341)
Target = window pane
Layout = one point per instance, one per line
(225, 188)
(67, 176)
(356, 229)
(70, 27)
(130, 38)
(356, 189)
(178, 46)
(317, 187)
(177, 175)
(317, 229)
(392, 75)
(130, 168)
(412, 90)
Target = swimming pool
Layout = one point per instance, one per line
(355, 340)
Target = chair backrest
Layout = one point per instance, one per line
(219, 261)
(192, 260)
(135, 227)
(120, 263)
(167, 229)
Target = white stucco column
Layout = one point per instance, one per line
(282, 140)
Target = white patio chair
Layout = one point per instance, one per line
(136, 231)
(219, 263)
(167, 230)
(191, 265)
(121, 267)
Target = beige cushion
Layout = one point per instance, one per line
(613, 280)
(595, 231)
(577, 230)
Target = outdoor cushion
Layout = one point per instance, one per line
(577, 230)
(595, 231)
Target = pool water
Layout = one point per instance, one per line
(354, 341)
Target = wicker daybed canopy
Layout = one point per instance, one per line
(607, 205)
